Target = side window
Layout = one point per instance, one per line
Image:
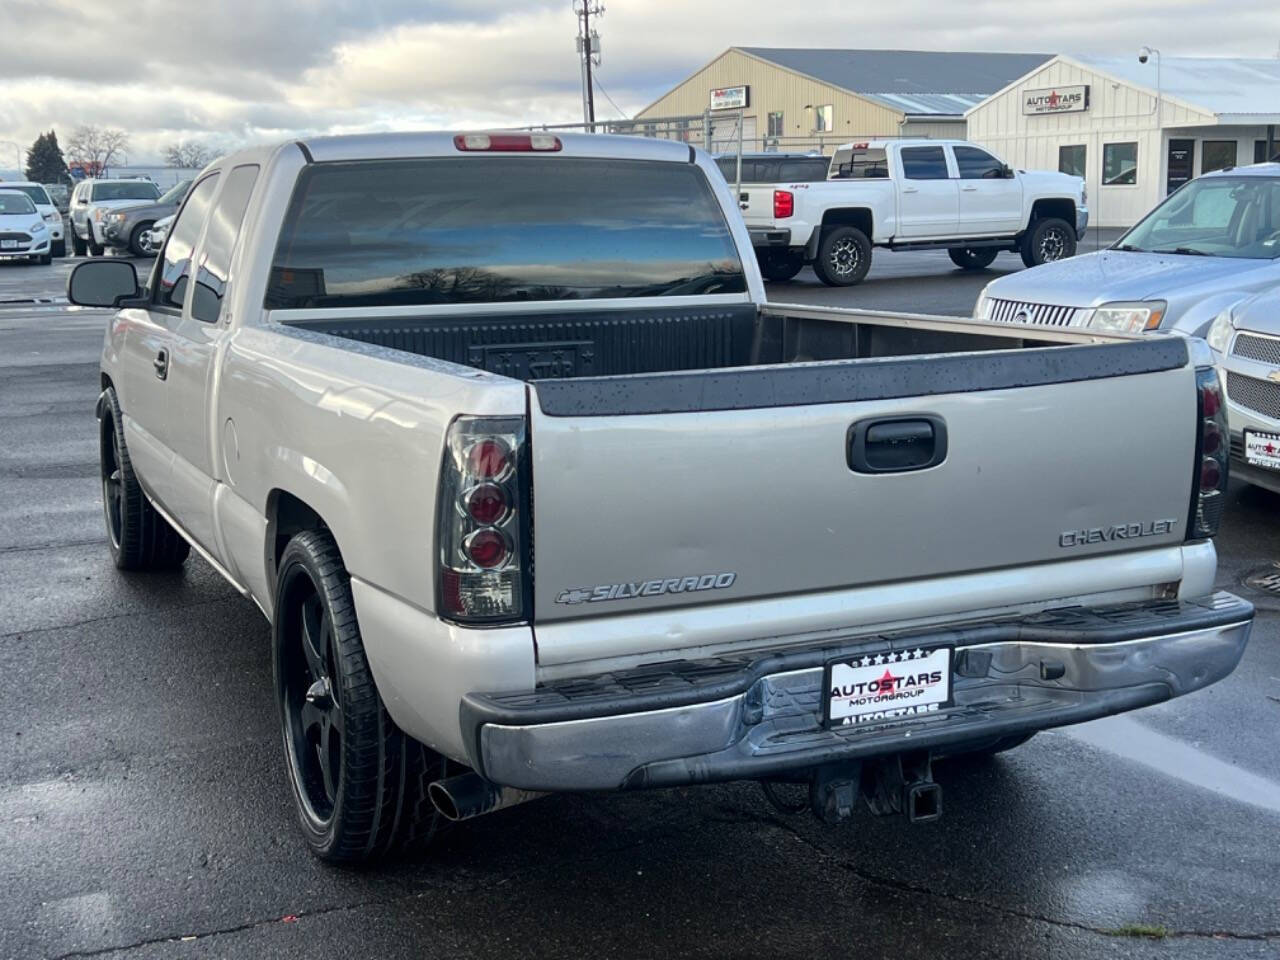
(220, 242)
(924, 163)
(975, 164)
(175, 267)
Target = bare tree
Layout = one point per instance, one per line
(96, 148)
(190, 155)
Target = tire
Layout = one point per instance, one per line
(138, 537)
(95, 248)
(844, 257)
(78, 246)
(778, 267)
(972, 258)
(359, 784)
(1048, 240)
(45, 259)
(139, 242)
(59, 248)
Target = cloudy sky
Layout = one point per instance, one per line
(230, 72)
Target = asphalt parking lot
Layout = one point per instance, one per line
(144, 810)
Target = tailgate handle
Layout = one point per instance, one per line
(897, 444)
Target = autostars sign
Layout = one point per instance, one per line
(1073, 99)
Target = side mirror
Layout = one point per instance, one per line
(103, 283)
(1008, 172)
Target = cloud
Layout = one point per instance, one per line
(245, 71)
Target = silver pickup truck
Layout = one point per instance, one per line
(539, 494)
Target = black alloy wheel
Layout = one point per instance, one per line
(359, 783)
(312, 697)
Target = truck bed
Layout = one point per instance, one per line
(614, 342)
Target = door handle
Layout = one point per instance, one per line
(968, 189)
(910, 189)
(897, 444)
(161, 363)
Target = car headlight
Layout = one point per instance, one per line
(117, 217)
(1219, 335)
(980, 308)
(52, 217)
(37, 227)
(1129, 317)
(99, 214)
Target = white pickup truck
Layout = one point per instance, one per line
(539, 494)
(912, 195)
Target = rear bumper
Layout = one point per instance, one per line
(757, 716)
(770, 238)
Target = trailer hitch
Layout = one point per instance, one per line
(900, 784)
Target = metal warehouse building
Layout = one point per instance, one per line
(1135, 131)
(807, 98)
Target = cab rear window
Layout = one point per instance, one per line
(500, 229)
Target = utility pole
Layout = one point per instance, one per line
(589, 53)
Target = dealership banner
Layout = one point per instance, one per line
(1073, 99)
(730, 98)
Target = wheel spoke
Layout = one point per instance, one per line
(327, 771)
(312, 639)
(311, 716)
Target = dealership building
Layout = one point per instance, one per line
(802, 99)
(1135, 131)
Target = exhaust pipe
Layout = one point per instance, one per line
(470, 795)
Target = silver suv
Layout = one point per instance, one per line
(128, 227)
(92, 200)
(1206, 247)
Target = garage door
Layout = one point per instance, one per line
(724, 134)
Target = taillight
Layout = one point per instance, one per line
(507, 142)
(1209, 481)
(482, 526)
(784, 204)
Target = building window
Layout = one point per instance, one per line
(1071, 160)
(775, 124)
(1260, 151)
(1217, 155)
(824, 119)
(924, 163)
(1119, 164)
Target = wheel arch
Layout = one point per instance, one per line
(287, 516)
(1064, 208)
(859, 217)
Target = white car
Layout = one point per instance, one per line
(47, 209)
(90, 203)
(23, 232)
(159, 232)
(912, 195)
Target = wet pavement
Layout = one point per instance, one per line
(144, 811)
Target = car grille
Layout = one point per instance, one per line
(20, 237)
(1044, 314)
(1254, 347)
(1260, 396)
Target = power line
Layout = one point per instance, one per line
(609, 98)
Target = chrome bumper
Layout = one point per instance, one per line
(746, 718)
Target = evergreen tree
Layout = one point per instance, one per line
(45, 163)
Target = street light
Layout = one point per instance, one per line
(1143, 56)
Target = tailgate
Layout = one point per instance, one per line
(756, 201)
(671, 490)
